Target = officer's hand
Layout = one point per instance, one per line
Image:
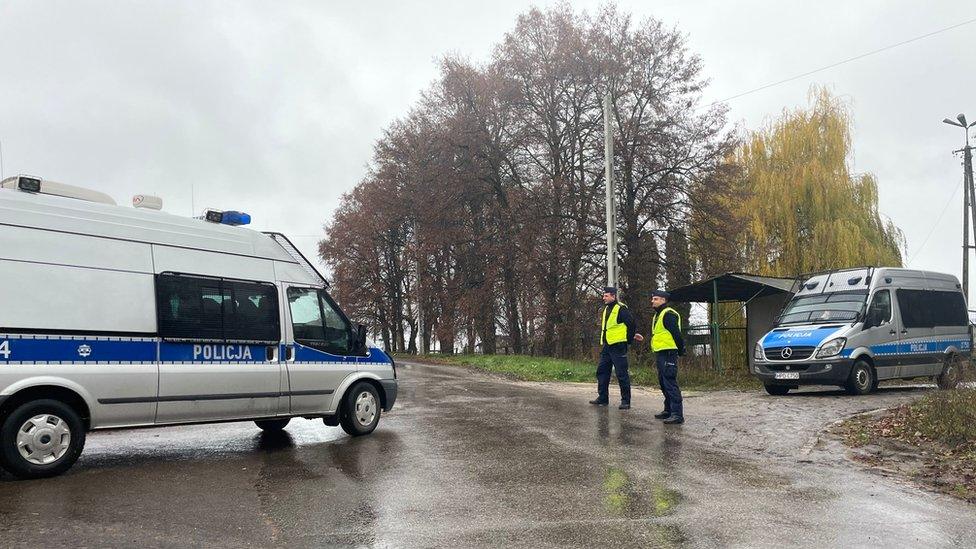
(638, 337)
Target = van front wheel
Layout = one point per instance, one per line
(862, 379)
(777, 390)
(360, 411)
(41, 438)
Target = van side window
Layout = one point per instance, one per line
(950, 309)
(196, 308)
(880, 309)
(930, 308)
(317, 322)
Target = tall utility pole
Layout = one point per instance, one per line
(611, 207)
(969, 200)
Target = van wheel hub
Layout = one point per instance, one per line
(43, 439)
(365, 408)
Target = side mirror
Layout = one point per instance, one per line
(360, 339)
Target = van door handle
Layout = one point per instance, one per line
(271, 353)
(892, 332)
(904, 331)
(289, 353)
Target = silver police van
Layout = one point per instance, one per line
(856, 327)
(116, 317)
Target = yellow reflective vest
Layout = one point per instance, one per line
(661, 338)
(613, 332)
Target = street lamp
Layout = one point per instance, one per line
(970, 197)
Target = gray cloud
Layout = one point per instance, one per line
(273, 107)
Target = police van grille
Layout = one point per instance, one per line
(800, 352)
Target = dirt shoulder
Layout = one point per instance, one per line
(928, 442)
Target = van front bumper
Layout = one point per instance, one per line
(389, 393)
(821, 372)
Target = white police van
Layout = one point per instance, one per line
(117, 317)
(856, 327)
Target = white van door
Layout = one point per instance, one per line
(918, 354)
(318, 351)
(881, 333)
(219, 355)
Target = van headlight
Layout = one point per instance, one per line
(758, 354)
(832, 347)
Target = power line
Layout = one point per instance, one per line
(848, 60)
(934, 225)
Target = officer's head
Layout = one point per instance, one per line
(609, 294)
(659, 298)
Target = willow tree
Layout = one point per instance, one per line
(805, 209)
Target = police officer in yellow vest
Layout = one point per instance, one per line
(667, 344)
(616, 333)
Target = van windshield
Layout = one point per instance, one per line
(823, 308)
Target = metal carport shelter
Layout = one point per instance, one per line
(764, 298)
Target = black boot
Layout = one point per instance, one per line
(599, 402)
(662, 415)
(625, 406)
(674, 420)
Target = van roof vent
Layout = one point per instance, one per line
(42, 186)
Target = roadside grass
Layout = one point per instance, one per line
(694, 373)
(932, 440)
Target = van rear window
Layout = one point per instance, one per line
(197, 308)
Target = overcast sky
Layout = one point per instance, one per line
(273, 107)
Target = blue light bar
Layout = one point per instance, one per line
(235, 218)
(227, 218)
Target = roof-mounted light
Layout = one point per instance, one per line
(227, 218)
(37, 185)
(29, 184)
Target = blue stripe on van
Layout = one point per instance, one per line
(30, 348)
(211, 352)
(797, 337)
(308, 354)
(19, 348)
(920, 346)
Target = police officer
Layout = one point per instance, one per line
(617, 331)
(667, 344)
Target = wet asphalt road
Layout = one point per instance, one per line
(467, 460)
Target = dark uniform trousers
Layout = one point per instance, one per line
(667, 376)
(613, 356)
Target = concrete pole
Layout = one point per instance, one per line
(611, 207)
(965, 235)
(971, 202)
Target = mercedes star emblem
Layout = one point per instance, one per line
(787, 352)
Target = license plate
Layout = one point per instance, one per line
(787, 375)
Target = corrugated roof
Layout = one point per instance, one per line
(732, 287)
